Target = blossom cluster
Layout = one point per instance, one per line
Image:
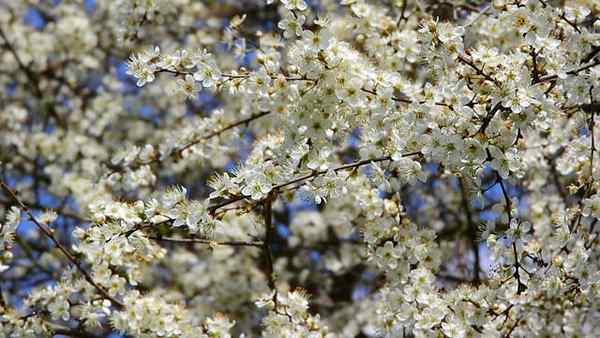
(294, 168)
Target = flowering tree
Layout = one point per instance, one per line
(294, 168)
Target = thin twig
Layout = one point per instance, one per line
(49, 233)
(571, 72)
(517, 265)
(204, 241)
(488, 119)
(472, 231)
(352, 165)
(120, 168)
(32, 78)
(465, 59)
(269, 232)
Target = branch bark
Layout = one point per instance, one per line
(49, 233)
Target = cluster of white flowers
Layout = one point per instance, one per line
(196, 66)
(420, 168)
(288, 316)
(154, 317)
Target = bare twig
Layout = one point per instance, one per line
(517, 265)
(472, 231)
(269, 232)
(32, 78)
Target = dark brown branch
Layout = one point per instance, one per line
(76, 333)
(269, 232)
(572, 24)
(521, 287)
(49, 233)
(205, 241)
(404, 100)
(488, 118)
(535, 71)
(591, 55)
(472, 231)
(562, 17)
(555, 174)
(62, 212)
(32, 78)
(352, 165)
(571, 72)
(593, 143)
(268, 252)
(464, 59)
(226, 128)
(120, 168)
(589, 190)
(342, 167)
(397, 99)
(30, 75)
